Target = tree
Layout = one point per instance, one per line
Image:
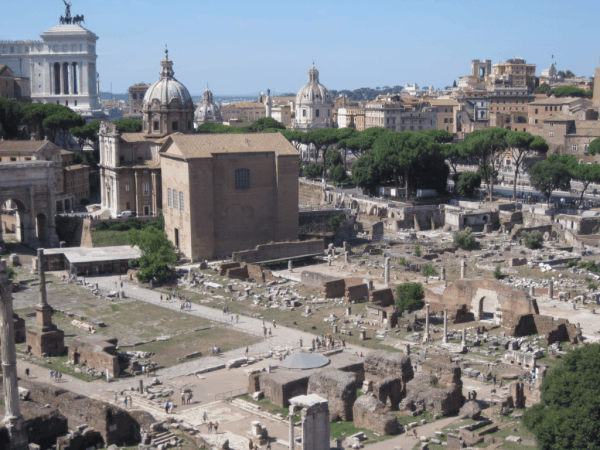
(58, 126)
(362, 142)
(409, 296)
(440, 136)
(454, 84)
(465, 239)
(594, 147)
(568, 415)
(542, 89)
(11, 115)
(454, 154)
(322, 139)
(128, 125)
(587, 174)
(265, 123)
(34, 115)
(158, 254)
(467, 183)
(332, 158)
(570, 91)
(532, 239)
(343, 134)
(313, 170)
(337, 173)
(484, 146)
(547, 176)
(521, 144)
(296, 138)
(498, 272)
(87, 133)
(430, 173)
(366, 172)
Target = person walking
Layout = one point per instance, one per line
(210, 426)
(204, 417)
(52, 374)
(406, 430)
(216, 427)
(182, 398)
(246, 352)
(59, 376)
(116, 398)
(125, 401)
(270, 333)
(27, 372)
(167, 407)
(265, 332)
(191, 398)
(130, 402)
(415, 433)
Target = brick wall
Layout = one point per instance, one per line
(314, 279)
(224, 267)
(97, 352)
(356, 293)
(280, 250)
(382, 297)
(334, 289)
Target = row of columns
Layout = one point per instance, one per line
(427, 335)
(66, 78)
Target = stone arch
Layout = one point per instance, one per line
(22, 215)
(486, 309)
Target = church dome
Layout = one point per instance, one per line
(314, 91)
(167, 88)
(207, 110)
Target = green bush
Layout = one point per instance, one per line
(336, 220)
(402, 261)
(11, 272)
(571, 263)
(313, 170)
(102, 226)
(592, 286)
(589, 265)
(465, 239)
(498, 272)
(467, 183)
(409, 296)
(533, 239)
(428, 270)
(417, 250)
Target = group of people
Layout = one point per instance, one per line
(147, 369)
(127, 400)
(187, 398)
(55, 375)
(186, 306)
(325, 342)
(210, 424)
(268, 331)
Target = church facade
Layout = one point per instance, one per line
(314, 105)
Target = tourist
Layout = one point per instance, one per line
(191, 398)
(116, 398)
(268, 446)
(406, 430)
(182, 398)
(216, 427)
(265, 332)
(210, 426)
(27, 372)
(170, 408)
(167, 407)
(52, 374)
(300, 342)
(125, 401)
(204, 417)
(274, 326)
(59, 376)
(415, 433)
(130, 402)
(270, 333)
(246, 352)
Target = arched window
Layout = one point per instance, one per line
(242, 179)
(303, 113)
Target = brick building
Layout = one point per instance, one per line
(515, 72)
(77, 182)
(136, 100)
(250, 111)
(227, 192)
(508, 107)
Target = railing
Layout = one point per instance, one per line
(231, 394)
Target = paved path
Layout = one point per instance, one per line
(406, 443)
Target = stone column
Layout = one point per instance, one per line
(42, 274)
(291, 418)
(445, 338)
(443, 273)
(290, 266)
(426, 334)
(155, 195)
(551, 289)
(463, 342)
(532, 291)
(12, 413)
(347, 257)
(463, 269)
(387, 270)
(51, 75)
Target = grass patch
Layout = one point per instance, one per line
(341, 430)
(114, 308)
(107, 238)
(266, 405)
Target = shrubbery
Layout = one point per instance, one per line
(589, 265)
(336, 220)
(532, 239)
(417, 250)
(465, 239)
(498, 272)
(429, 270)
(409, 296)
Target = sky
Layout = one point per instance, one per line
(244, 47)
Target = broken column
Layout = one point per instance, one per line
(315, 421)
(443, 273)
(532, 291)
(363, 335)
(463, 342)
(347, 257)
(12, 413)
(44, 338)
(290, 266)
(291, 425)
(445, 338)
(387, 270)
(426, 334)
(551, 289)
(463, 269)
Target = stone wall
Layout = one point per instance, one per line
(372, 414)
(280, 390)
(555, 330)
(314, 279)
(388, 374)
(334, 289)
(483, 298)
(382, 297)
(98, 351)
(339, 388)
(356, 293)
(115, 425)
(280, 250)
(309, 193)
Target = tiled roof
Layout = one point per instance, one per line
(76, 166)
(555, 101)
(443, 102)
(206, 145)
(25, 146)
(558, 118)
(5, 71)
(139, 137)
(586, 128)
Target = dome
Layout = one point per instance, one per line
(167, 88)
(207, 110)
(313, 91)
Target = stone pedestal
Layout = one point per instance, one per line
(290, 266)
(426, 334)
(551, 289)
(315, 422)
(463, 269)
(13, 421)
(44, 338)
(443, 276)
(363, 335)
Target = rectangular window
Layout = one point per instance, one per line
(175, 126)
(585, 147)
(242, 179)
(169, 196)
(155, 125)
(146, 187)
(175, 199)
(551, 134)
(181, 207)
(126, 188)
(574, 147)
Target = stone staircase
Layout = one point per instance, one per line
(162, 438)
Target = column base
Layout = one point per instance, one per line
(17, 433)
(426, 338)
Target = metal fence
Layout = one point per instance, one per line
(231, 394)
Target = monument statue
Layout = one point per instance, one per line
(68, 10)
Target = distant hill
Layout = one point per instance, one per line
(107, 96)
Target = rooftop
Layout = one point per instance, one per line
(25, 146)
(79, 255)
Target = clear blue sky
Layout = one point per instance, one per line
(243, 47)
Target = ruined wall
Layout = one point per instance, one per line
(555, 330)
(481, 297)
(223, 268)
(259, 274)
(381, 297)
(334, 289)
(356, 293)
(97, 351)
(115, 425)
(279, 390)
(309, 194)
(314, 279)
(339, 388)
(280, 250)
